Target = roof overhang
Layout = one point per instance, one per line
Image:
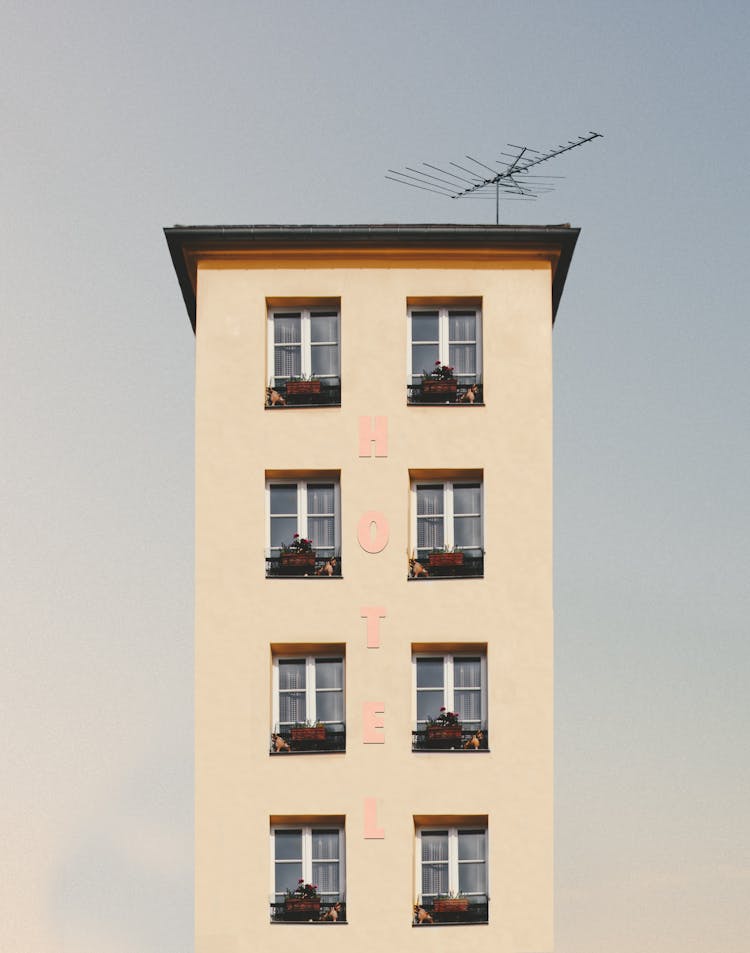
(188, 245)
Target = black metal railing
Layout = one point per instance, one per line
(470, 567)
(434, 913)
(279, 396)
(320, 567)
(471, 740)
(294, 741)
(330, 912)
(466, 395)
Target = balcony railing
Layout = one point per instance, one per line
(465, 395)
(437, 913)
(296, 741)
(330, 912)
(283, 395)
(470, 740)
(471, 567)
(316, 566)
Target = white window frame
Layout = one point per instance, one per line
(310, 685)
(302, 514)
(443, 342)
(307, 858)
(448, 514)
(306, 344)
(449, 658)
(453, 861)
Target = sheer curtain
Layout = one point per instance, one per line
(430, 527)
(434, 863)
(462, 348)
(467, 518)
(326, 863)
(324, 351)
(467, 691)
(321, 519)
(292, 684)
(287, 341)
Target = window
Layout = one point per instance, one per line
(450, 337)
(303, 344)
(303, 522)
(455, 684)
(308, 854)
(447, 522)
(452, 867)
(308, 693)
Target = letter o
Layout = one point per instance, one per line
(368, 542)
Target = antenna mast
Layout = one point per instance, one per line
(513, 180)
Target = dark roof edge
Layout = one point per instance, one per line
(181, 238)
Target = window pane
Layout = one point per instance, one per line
(326, 877)
(321, 531)
(471, 878)
(424, 326)
(329, 673)
(462, 325)
(284, 499)
(287, 361)
(430, 673)
(292, 708)
(467, 531)
(430, 532)
(471, 845)
(463, 359)
(324, 360)
(435, 846)
(329, 707)
(469, 706)
(291, 674)
(324, 328)
(434, 879)
(288, 845)
(429, 704)
(283, 529)
(467, 672)
(320, 498)
(287, 876)
(287, 329)
(325, 845)
(467, 499)
(429, 500)
(423, 357)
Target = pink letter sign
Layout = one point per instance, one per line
(372, 831)
(372, 722)
(373, 614)
(377, 435)
(373, 543)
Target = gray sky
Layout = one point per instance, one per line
(120, 119)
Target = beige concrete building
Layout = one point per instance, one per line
(373, 643)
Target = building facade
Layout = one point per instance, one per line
(373, 642)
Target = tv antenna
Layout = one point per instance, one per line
(514, 179)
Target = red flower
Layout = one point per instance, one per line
(443, 708)
(296, 535)
(437, 363)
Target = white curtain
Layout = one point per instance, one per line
(321, 520)
(325, 866)
(287, 345)
(434, 863)
(430, 528)
(292, 702)
(467, 695)
(462, 348)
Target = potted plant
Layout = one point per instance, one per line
(309, 731)
(439, 380)
(299, 554)
(452, 902)
(303, 902)
(445, 730)
(303, 385)
(444, 558)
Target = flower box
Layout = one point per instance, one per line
(304, 561)
(303, 387)
(438, 560)
(451, 905)
(317, 733)
(302, 907)
(444, 733)
(447, 387)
